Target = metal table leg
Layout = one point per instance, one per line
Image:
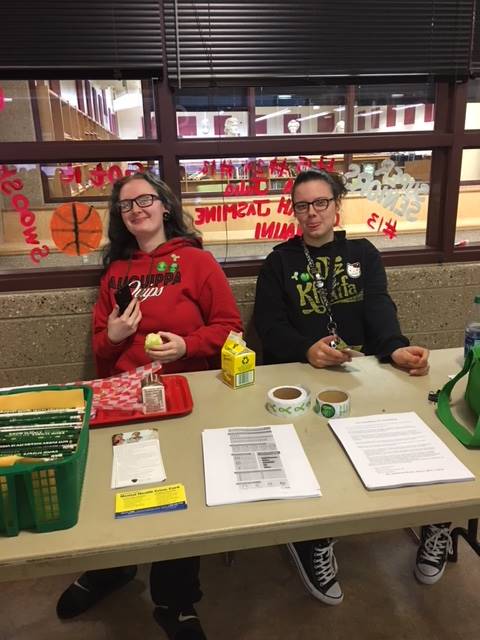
(470, 535)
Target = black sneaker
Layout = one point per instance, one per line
(179, 624)
(318, 568)
(90, 588)
(432, 554)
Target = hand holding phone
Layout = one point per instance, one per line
(123, 297)
(119, 324)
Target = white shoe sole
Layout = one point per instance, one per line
(306, 580)
(426, 579)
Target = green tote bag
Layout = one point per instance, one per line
(472, 397)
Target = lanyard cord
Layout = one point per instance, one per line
(152, 257)
(324, 288)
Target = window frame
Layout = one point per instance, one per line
(447, 141)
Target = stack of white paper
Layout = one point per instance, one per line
(397, 450)
(246, 464)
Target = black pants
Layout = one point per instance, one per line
(172, 582)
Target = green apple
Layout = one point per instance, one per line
(152, 341)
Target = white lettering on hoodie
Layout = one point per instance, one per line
(146, 292)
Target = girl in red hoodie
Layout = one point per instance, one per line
(180, 292)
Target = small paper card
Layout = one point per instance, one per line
(129, 504)
(137, 458)
(352, 351)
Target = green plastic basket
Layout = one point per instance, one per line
(44, 496)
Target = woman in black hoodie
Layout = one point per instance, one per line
(320, 297)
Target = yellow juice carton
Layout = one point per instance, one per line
(238, 362)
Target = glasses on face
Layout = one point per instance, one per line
(319, 205)
(145, 200)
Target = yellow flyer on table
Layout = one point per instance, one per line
(129, 504)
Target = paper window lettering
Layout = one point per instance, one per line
(375, 221)
(70, 174)
(97, 176)
(303, 164)
(327, 165)
(27, 218)
(209, 168)
(398, 191)
(277, 168)
(371, 222)
(227, 170)
(390, 229)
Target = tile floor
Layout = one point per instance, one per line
(260, 597)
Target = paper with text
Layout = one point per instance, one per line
(246, 464)
(397, 450)
(137, 458)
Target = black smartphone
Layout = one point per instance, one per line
(123, 297)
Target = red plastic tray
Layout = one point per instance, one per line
(178, 399)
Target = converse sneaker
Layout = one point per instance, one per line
(432, 554)
(90, 588)
(179, 624)
(318, 568)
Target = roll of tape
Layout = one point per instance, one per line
(332, 403)
(288, 401)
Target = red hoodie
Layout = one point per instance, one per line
(182, 290)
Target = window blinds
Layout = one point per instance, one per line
(221, 42)
(475, 65)
(88, 38)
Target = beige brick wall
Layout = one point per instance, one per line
(45, 335)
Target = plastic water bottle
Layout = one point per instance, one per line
(472, 330)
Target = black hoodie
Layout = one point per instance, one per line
(290, 317)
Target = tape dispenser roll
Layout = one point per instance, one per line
(288, 401)
(332, 403)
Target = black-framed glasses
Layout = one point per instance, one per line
(144, 200)
(319, 204)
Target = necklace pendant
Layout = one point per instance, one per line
(319, 280)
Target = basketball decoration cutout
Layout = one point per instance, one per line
(76, 228)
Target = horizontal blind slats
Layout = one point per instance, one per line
(475, 64)
(91, 38)
(225, 41)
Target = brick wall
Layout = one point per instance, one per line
(45, 335)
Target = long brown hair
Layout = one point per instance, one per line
(122, 244)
